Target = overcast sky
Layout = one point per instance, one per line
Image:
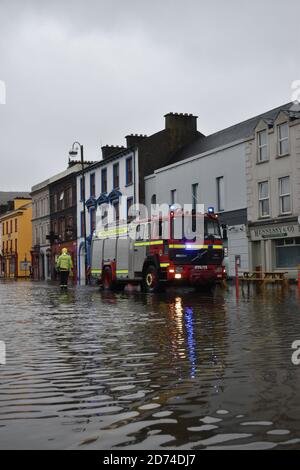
(95, 70)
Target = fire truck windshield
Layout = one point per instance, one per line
(211, 228)
(186, 227)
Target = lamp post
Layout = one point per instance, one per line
(73, 153)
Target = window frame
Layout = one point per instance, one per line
(283, 195)
(104, 179)
(260, 146)
(280, 140)
(220, 203)
(261, 199)
(92, 184)
(129, 171)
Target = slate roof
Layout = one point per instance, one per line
(239, 131)
(6, 196)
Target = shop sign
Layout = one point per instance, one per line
(275, 231)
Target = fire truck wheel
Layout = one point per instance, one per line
(107, 279)
(151, 280)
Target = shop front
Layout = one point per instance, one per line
(275, 246)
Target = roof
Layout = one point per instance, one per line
(6, 196)
(13, 212)
(240, 131)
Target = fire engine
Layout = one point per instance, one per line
(153, 253)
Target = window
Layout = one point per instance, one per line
(81, 189)
(263, 197)
(173, 196)
(116, 210)
(3, 228)
(68, 197)
(153, 200)
(129, 178)
(62, 228)
(61, 200)
(16, 246)
(92, 185)
(11, 226)
(129, 204)
(104, 180)
(16, 225)
(93, 220)
(6, 228)
(116, 176)
(194, 196)
(262, 146)
(55, 202)
(220, 193)
(283, 139)
(284, 195)
(287, 252)
(82, 224)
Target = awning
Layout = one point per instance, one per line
(91, 202)
(102, 199)
(114, 195)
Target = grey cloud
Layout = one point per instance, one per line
(96, 70)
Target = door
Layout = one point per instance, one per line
(139, 248)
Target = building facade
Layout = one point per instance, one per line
(41, 249)
(16, 239)
(63, 216)
(116, 182)
(215, 178)
(273, 189)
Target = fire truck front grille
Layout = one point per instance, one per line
(198, 257)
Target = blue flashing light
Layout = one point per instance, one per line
(188, 247)
(211, 210)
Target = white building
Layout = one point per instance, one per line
(273, 188)
(105, 182)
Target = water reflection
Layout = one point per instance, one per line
(178, 370)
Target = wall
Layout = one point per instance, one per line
(203, 169)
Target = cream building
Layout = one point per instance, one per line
(273, 191)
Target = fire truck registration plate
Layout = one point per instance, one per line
(201, 267)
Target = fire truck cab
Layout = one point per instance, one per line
(149, 252)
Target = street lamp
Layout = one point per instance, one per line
(73, 153)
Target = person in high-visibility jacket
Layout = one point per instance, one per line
(64, 265)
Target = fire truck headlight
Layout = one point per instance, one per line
(171, 270)
(177, 276)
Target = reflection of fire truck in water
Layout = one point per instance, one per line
(154, 252)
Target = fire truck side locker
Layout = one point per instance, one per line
(122, 259)
(97, 257)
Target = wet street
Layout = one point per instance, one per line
(87, 369)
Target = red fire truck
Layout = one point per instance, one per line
(156, 253)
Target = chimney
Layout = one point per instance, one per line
(108, 150)
(182, 123)
(134, 139)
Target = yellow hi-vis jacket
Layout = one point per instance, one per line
(64, 263)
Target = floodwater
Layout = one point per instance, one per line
(87, 369)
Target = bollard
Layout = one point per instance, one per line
(237, 277)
